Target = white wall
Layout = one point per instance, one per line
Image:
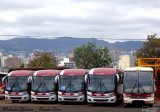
(124, 62)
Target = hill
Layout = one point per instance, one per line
(62, 44)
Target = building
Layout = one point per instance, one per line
(67, 63)
(0, 59)
(124, 61)
(13, 62)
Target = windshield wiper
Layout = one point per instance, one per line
(96, 88)
(134, 86)
(44, 84)
(15, 85)
(141, 87)
(101, 85)
(38, 87)
(19, 86)
(70, 85)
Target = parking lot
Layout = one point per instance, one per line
(8, 106)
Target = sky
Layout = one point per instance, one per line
(101, 19)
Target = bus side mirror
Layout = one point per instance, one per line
(56, 79)
(156, 83)
(4, 79)
(118, 79)
(88, 79)
(85, 78)
(30, 79)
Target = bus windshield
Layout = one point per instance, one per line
(71, 83)
(138, 82)
(101, 83)
(17, 84)
(43, 84)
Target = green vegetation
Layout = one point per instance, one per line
(89, 56)
(150, 49)
(42, 60)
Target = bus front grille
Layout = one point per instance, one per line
(42, 98)
(14, 98)
(100, 99)
(70, 98)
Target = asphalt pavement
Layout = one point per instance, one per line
(8, 106)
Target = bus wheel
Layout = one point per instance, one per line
(15, 101)
(150, 105)
(93, 104)
(126, 105)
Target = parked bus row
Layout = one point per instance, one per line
(98, 85)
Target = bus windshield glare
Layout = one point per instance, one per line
(71, 83)
(17, 84)
(43, 84)
(138, 82)
(101, 83)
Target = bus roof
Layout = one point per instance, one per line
(35, 69)
(104, 71)
(138, 69)
(47, 73)
(71, 72)
(21, 73)
(3, 73)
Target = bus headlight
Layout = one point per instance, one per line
(52, 93)
(80, 94)
(111, 94)
(22, 93)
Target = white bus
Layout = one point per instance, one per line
(44, 85)
(104, 85)
(138, 85)
(71, 85)
(17, 87)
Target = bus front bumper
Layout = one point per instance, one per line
(44, 98)
(101, 99)
(71, 99)
(2, 95)
(146, 100)
(20, 98)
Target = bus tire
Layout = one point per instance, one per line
(150, 105)
(15, 101)
(126, 105)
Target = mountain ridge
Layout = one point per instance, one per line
(63, 44)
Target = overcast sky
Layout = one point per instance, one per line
(116, 19)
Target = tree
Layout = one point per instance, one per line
(89, 56)
(150, 49)
(102, 57)
(42, 60)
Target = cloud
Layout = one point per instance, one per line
(80, 18)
